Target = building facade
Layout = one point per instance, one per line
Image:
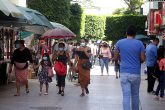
(156, 18)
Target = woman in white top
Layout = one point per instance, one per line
(105, 56)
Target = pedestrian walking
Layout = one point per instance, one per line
(93, 52)
(60, 59)
(43, 48)
(43, 75)
(83, 57)
(104, 57)
(117, 68)
(151, 60)
(131, 53)
(160, 75)
(20, 59)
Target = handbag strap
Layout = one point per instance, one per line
(100, 51)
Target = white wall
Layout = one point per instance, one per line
(19, 2)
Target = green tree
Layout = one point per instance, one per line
(116, 25)
(94, 27)
(119, 11)
(54, 10)
(76, 18)
(133, 5)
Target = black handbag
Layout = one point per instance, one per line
(100, 56)
(87, 65)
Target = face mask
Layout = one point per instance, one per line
(61, 49)
(17, 46)
(82, 44)
(45, 58)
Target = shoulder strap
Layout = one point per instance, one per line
(101, 51)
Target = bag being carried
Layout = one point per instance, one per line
(60, 68)
(100, 55)
(87, 65)
(50, 72)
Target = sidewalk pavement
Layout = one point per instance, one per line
(105, 94)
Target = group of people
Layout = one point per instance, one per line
(132, 53)
(22, 56)
(128, 55)
(155, 63)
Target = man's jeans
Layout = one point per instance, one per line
(130, 84)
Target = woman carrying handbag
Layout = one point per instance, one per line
(60, 59)
(104, 57)
(83, 66)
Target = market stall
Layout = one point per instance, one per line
(7, 38)
(13, 21)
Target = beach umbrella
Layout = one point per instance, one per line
(58, 33)
(58, 25)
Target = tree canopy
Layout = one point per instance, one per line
(54, 10)
(133, 5)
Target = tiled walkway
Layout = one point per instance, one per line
(105, 94)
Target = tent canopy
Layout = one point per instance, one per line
(8, 8)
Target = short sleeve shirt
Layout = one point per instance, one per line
(130, 51)
(151, 55)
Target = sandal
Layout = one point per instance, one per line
(87, 91)
(27, 91)
(59, 92)
(62, 93)
(82, 95)
(16, 95)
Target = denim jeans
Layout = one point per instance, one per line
(104, 62)
(160, 87)
(130, 84)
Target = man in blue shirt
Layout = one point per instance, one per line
(151, 58)
(132, 54)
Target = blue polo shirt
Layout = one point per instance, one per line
(151, 55)
(130, 51)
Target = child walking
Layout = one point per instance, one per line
(161, 79)
(117, 68)
(43, 76)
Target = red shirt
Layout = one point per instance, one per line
(162, 64)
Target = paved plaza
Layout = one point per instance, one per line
(105, 94)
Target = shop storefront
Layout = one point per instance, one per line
(13, 21)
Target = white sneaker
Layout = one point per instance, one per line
(162, 99)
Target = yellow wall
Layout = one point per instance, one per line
(19, 2)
